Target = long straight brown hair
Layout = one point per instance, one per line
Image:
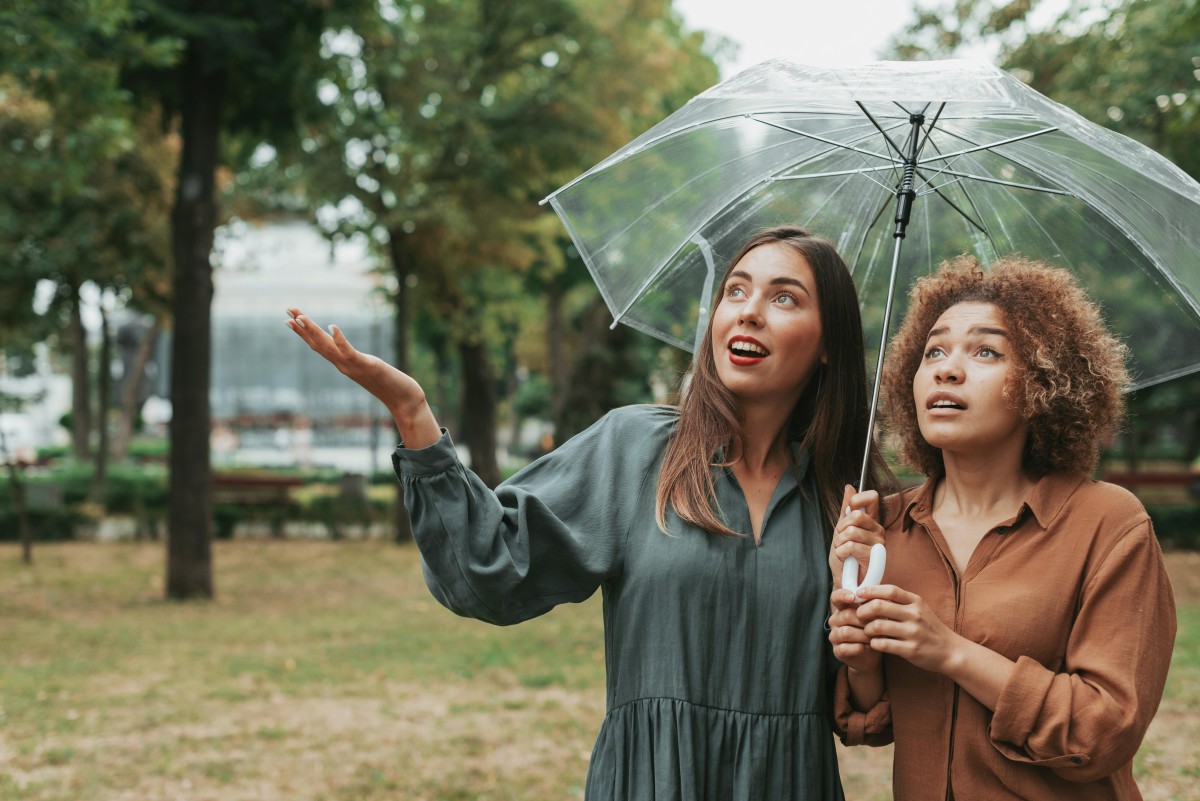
(829, 420)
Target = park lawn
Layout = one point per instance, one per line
(326, 671)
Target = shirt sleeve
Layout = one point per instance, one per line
(872, 727)
(1089, 720)
(551, 534)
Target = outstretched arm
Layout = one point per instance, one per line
(402, 395)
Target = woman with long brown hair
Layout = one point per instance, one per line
(705, 525)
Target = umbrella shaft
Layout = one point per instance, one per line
(883, 337)
(906, 193)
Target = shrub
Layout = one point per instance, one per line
(1177, 525)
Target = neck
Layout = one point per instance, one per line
(764, 435)
(983, 483)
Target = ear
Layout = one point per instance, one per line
(824, 356)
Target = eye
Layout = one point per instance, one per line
(735, 291)
(933, 352)
(989, 353)
(786, 299)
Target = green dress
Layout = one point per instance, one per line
(719, 669)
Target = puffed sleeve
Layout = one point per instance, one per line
(551, 534)
(1089, 719)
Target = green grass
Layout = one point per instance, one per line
(325, 671)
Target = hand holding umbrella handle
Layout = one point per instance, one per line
(875, 569)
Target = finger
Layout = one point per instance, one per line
(888, 629)
(867, 501)
(888, 592)
(869, 611)
(843, 599)
(845, 617)
(859, 518)
(316, 335)
(847, 494)
(844, 634)
(294, 313)
(859, 547)
(844, 652)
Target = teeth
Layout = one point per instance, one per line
(749, 347)
(945, 404)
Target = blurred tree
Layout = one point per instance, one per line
(244, 70)
(80, 204)
(452, 120)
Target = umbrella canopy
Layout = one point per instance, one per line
(993, 168)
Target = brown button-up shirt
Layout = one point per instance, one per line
(1074, 590)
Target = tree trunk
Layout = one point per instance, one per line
(133, 391)
(104, 390)
(442, 385)
(18, 496)
(556, 332)
(479, 411)
(189, 534)
(81, 383)
(402, 265)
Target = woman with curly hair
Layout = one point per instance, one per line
(1020, 647)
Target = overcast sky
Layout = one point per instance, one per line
(818, 32)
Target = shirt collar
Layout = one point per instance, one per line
(1044, 501)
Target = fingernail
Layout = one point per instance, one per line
(300, 323)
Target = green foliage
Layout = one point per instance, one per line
(87, 197)
(448, 121)
(1177, 526)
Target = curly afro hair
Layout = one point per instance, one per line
(1068, 378)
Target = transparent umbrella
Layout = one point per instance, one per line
(942, 157)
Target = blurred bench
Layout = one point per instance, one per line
(255, 496)
(1159, 483)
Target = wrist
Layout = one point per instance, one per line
(410, 411)
(955, 658)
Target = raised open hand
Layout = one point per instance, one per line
(398, 391)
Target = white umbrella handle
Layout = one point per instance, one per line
(875, 569)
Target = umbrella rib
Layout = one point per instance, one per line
(1014, 184)
(862, 242)
(879, 128)
(982, 229)
(970, 200)
(832, 142)
(865, 172)
(989, 146)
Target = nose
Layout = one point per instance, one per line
(948, 371)
(751, 312)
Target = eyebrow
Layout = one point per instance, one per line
(976, 329)
(780, 280)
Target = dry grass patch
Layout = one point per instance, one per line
(324, 671)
